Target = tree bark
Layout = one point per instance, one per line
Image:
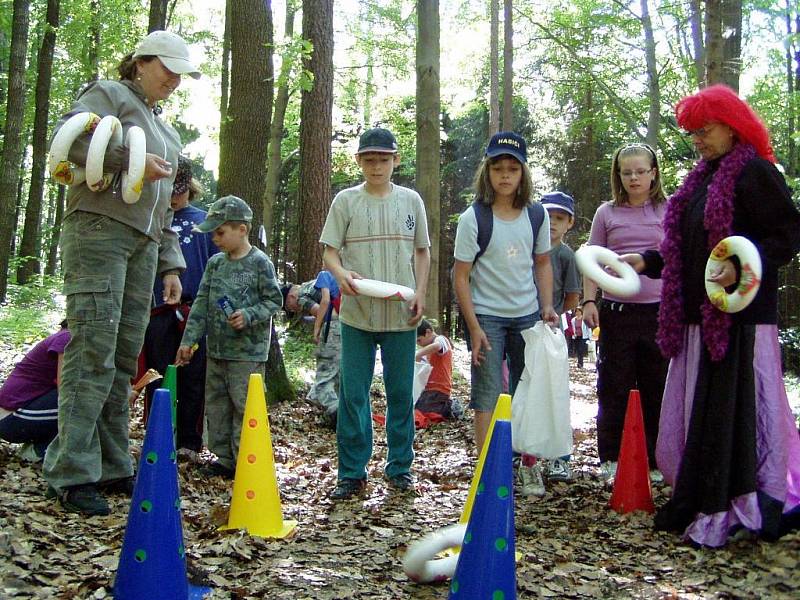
(654, 113)
(55, 236)
(276, 130)
(714, 45)
(12, 135)
(93, 51)
(30, 245)
(494, 68)
(428, 136)
(508, 66)
(696, 22)
(158, 15)
(732, 45)
(316, 110)
(243, 152)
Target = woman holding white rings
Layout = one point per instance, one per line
(112, 252)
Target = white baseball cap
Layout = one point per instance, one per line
(170, 49)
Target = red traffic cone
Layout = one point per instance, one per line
(632, 482)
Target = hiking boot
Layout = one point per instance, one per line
(329, 420)
(123, 486)
(347, 488)
(531, 480)
(216, 469)
(84, 499)
(608, 470)
(402, 482)
(558, 470)
(656, 476)
(187, 455)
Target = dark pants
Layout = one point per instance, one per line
(34, 423)
(580, 350)
(160, 346)
(628, 359)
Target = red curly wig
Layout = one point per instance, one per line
(720, 104)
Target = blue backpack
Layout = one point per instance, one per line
(485, 219)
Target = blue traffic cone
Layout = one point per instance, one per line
(486, 565)
(152, 563)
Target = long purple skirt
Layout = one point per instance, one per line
(728, 443)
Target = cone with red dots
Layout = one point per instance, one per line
(486, 564)
(256, 502)
(152, 563)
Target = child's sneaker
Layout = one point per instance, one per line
(531, 480)
(558, 470)
(608, 470)
(347, 488)
(656, 476)
(402, 482)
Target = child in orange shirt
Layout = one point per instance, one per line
(437, 350)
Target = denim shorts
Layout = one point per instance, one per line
(505, 338)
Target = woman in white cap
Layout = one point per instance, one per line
(112, 252)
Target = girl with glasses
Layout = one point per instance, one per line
(629, 357)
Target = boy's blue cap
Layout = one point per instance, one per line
(377, 140)
(559, 201)
(508, 142)
(227, 208)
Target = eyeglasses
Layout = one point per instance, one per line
(702, 132)
(637, 173)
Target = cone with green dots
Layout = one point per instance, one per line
(152, 563)
(486, 563)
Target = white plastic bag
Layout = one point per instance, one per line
(540, 423)
(422, 370)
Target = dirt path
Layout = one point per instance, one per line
(571, 544)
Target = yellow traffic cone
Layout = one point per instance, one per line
(256, 503)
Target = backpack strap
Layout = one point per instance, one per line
(485, 220)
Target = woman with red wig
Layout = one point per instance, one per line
(727, 443)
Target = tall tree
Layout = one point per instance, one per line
(696, 25)
(653, 87)
(243, 149)
(494, 67)
(508, 66)
(55, 232)
(12, 135)
(316, 110)
(158, 15)
(732, 45)
(30, 245)
(713, 42)
(428, 136)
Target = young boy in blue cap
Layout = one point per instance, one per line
(376, 230)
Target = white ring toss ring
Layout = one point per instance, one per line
(133, 178)
(108, 128)
(591, 260)
(420, 563)
(749, 278)
(382, 289)
(58, 163)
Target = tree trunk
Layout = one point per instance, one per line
(654, 114)
(494, 68)
(428, 136)
(93, 51)
(508, 66)
(30, 246)
(696, 21)
(10, 159)
(714, 43)
(791, 104)
(55, 236)
(732, 45)
(244, 151)
(158, 15)
(276, 130)
(277, 385)
(226, 71)
(316, 111)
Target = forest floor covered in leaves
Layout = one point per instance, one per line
(571, 544)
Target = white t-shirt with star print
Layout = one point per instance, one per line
(502, 280)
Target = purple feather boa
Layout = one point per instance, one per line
(718, 222)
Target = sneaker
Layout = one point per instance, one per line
(656, 476)
(347, 488)
(187, 455)
(402, 482)
(532, 480)
(558, 470)
(329, 420)
(608, 470)
(84, 499)
(216, 469)
(123, 487)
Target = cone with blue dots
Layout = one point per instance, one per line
(486, 563)
(152, 563)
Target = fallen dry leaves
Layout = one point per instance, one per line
(571, 544)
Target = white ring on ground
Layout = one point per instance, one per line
(383, 289)
(58, 165)
(420, 563)
(108, 128)
(749, 277)
(590, 259)
(133, 178)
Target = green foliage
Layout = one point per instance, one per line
(790, 349)
(31, 312)
(298, 353)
